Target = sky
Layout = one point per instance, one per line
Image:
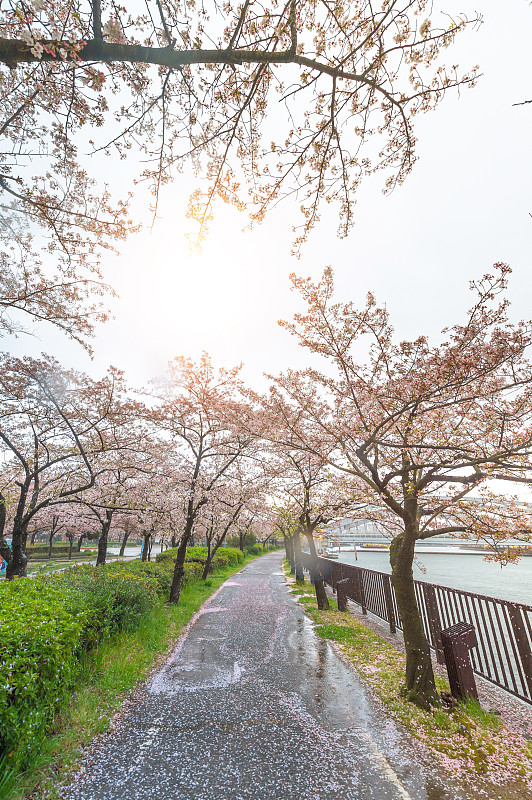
(466, 205)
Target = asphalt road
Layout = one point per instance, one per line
(252, 705)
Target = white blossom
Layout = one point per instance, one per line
(112, 30)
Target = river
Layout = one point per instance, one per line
(460, 571)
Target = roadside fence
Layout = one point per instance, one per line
(503, 629)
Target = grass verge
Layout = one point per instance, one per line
(470, 744)
(108, 674)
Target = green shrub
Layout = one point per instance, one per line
(196, 552)
(224, 556)
(166, 555)
(253, 549)
(38, 658)
(117, 598)
(52, 620)
(40, 551)
(228, 556)
(193, 571)
(159, 572)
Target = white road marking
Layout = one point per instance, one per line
(384, 764)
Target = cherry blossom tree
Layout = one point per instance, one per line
(310, 492)
(175, 81)
(129, 526)
(53, 423)
(126, 475)
(426, 430)
(217, 521)
(200, 412)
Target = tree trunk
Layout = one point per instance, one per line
(5, 550)
(124, 542)
(33, 535)
(104, 536)
(19, 561)
(51, 542)
(289, 548)
(420, 686)
(80, 541)
(174, 541)
(145, 543)
(298, 560)
(150, 545)
(179, 570)
(207, 567)
(315, 574)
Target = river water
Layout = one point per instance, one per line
(460, 571)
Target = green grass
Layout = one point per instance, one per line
(109, 672)
(469, 743)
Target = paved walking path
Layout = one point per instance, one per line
(253, 706)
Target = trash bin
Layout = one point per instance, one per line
(457, 642)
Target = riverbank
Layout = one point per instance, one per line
(108, 674)
(473, 745)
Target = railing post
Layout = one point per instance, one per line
(341, 594)
(360, 591)
(434, 621)
(334, 577)
(521, 640)
(389, 602)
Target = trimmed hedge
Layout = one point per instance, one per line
(225, 556)
(53, 620)
(40, 552)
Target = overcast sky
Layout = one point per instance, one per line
(466, 205)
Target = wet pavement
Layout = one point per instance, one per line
(252, 705)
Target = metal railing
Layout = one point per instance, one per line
(504, 629)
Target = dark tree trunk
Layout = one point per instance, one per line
(289, 548)
(51, 542)
(420, 686)
(104, 537)
(207, 567)
(150, 545)
(241, 540)
(5, 550)
(80, 541)
(19, 562)
(145, 545)
(174, 541)
(33, 535)
(179, 569)
(298, 560)
(124, 542)
(315, 574)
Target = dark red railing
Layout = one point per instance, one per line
(504, 629)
